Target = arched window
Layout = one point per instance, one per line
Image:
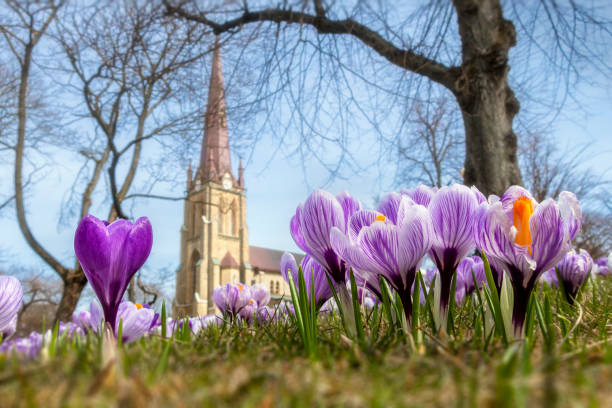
(277, 287)
(271, 287)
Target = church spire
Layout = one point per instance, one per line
(215, 156)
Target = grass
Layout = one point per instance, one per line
(567, 362)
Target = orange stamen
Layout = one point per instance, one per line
(251, 301)
(240, 287)
(138, 305)
(521, 213)
(380, 217)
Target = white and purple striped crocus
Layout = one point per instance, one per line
(233, 299)
(11, 295)
(527, 238)
(377, 246)
(135, 320)
(110, 255)
(311, 269)
(574, 268)
(452, 211)
(603, 265)
(469, 268)
(312, 224)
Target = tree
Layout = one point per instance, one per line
(430, 152)
(473, 67)
(134, 70)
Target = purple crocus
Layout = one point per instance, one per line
(421, 195)
(550, 278)
(527, 238)
(110, 255)
(26, 348)
(375, 246)
(468, 268)
(11, 295)
(452, 211)
(574, 268)
(310, 269)
(232, 298)
(260, 294)
(135, 320)
(312, 223)
(602, 265)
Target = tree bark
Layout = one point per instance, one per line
(480, 84)
(488, 105)
(74, 282)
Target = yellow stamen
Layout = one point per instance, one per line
(251, 302)
(240, 287)
(380, 217)
(521, 213)
(138, 305)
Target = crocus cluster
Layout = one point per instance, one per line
(518, 235)
(237, 300)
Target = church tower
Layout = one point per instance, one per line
(214, 235)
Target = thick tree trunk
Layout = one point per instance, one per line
(74, 282)
(488, 105)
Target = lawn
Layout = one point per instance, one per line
(567, 361)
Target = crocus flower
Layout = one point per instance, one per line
(26, 348)
(313, 222)
(232, 298)
(602, 265)
(110, 255)
(527, 238)
(550, 277)
(574, 268)
(452, 211)
(11, 295)
(311, 269)
(82, 319)
(260, 294)
(135, 320)
(468, 268)
(383, 248)
(421, 195)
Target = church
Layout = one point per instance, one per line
(215, 246)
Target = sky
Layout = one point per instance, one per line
(275, 185)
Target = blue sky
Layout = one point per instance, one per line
(275, 185)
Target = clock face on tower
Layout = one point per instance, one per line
(227, 181)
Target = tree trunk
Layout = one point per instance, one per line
(488, 105)
(74, 282)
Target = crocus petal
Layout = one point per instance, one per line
(389, 205)
(512, 194)
(549, 236)
(421, 195)
(260, 294)
(350, 205)
(135, 322)
(452, 212)
(362, 218)
(93, 250)
(296, 229)
(288, 264)
(11, 295)
(571, 213)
